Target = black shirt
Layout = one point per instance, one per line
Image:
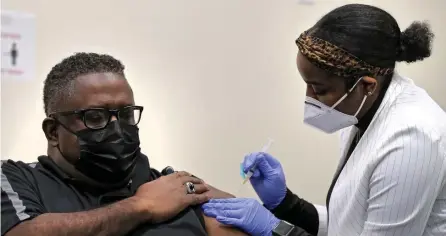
(28, 190)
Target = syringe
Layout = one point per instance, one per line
(251, 171)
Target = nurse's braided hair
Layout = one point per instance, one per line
(58, 85)
(357, 40)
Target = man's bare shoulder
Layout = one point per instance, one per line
(213, 227)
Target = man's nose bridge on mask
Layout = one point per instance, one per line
(113, 115)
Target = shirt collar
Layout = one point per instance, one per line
(48, 164)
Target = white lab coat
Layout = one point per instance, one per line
(394, 181)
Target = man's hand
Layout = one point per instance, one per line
(167, 196)
(217, 193)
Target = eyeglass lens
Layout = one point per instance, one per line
(99, 118)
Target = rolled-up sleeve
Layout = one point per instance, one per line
(20, 201)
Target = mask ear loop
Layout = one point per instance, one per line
(69, 130)
(360, 107)
(346, 94)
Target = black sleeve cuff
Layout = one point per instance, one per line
(298, 212)
(287, 203)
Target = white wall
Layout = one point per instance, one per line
(217, 78)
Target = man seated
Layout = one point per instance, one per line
(94, 179)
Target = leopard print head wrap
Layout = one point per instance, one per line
(336, 60)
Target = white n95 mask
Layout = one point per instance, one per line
(328, 119)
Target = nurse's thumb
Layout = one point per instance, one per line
(263, 166)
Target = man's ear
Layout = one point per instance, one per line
(49, 127)
(371, 85)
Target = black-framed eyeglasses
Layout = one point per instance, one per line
(98, 118)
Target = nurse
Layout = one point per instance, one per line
(391, 176)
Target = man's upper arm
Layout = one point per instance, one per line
(19, 199)
(213, 227)
(405, 184)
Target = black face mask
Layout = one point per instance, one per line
(108, 155)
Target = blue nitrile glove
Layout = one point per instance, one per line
(268, 179)
(244, 213)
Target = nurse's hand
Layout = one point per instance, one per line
(243, 213)
(268, 179)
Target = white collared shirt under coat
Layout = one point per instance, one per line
(393, 184)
